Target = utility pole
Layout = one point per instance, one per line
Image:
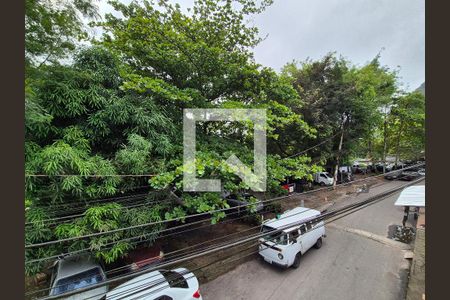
(338, 155)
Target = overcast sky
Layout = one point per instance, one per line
(356, 29)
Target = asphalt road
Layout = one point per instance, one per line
(350, 265)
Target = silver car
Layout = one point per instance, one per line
(76, 272)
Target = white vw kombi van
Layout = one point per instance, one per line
(286, 248)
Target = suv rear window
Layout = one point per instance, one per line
(175, 279)
(78, 281)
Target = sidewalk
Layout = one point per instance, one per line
(416, 284)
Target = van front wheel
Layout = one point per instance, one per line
(296, 263)
(318, 244)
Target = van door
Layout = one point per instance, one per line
(303, 239)
(311, 233)
(308, 234)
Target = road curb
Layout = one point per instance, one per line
(372, 236)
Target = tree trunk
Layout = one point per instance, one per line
(338, 156)
(397, 154)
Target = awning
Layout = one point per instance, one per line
(412, 196)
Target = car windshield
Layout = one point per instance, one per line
(276, 237)
(78, 281)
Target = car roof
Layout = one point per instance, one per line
(75, 264)
(136, 283)
(139, 287)
(297, 214)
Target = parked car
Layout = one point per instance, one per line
(292, 184)
(393, 175)
(409, 175)
(177, 284)
(379, 167)
(344, 174)
(421, 172)
(359, 167)
(76, 272)
(323, 178)
(290, 187)
(286, 248)
(345, 169)
(244, 199)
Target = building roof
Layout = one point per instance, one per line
(297, 214)
(412, 196)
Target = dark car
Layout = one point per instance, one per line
(234, 201)
(409, 175)
(393, 175)
(292, 184)
(387, 167)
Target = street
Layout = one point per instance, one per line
(350, 265)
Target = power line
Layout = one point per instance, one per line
(315, 146)
(168, 254)
(346, 209)
(91, 175)
(159, 237)
(184, 254)
(29, 246)
(124, 199)
(53, 221)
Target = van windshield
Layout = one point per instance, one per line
(280, 238)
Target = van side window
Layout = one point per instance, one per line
(308, 226)
(295, 234)
(302, 229)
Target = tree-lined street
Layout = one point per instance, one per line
(114, 151)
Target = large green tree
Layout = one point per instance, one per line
(339, 98)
